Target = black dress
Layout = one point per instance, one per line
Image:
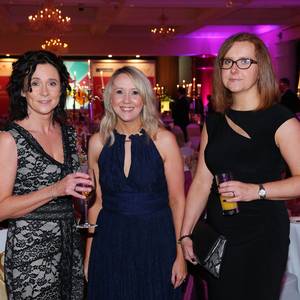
(256, 256)
(43, 257)
(134, 245)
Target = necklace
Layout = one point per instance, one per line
(134, 132)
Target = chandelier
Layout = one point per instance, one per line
(163, 30)
(56, 45)
(49, 18)
(229, 3)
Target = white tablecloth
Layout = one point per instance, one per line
(3, 233)
(293, 264)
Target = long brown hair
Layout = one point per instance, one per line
(267, 85)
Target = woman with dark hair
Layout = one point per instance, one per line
(253, 137)
(133, 254)
(38, 164)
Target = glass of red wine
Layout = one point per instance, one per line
(82, 205)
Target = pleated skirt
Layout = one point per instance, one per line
(132, 257)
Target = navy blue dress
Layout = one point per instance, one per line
(134, 245)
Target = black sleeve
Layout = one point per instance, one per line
(212, 121)
(280, 114)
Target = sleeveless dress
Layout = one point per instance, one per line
(134, 245)
(258, 237)
(43, 258)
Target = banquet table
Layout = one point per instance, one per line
(3, 233)
(293, 264)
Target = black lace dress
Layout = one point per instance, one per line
(43, 250)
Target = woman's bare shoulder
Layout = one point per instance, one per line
(97, 139)
(166, 143)
(165, 136)
(96, 142)
(8, 148)
(6, 140)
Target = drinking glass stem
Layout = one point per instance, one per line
(85, 211)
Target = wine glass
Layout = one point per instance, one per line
(82, 205)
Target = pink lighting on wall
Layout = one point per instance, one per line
(204, 71)
(222, 32)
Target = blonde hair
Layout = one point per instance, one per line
(149, 115)
(267, 85)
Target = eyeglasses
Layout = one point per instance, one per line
(242, 63)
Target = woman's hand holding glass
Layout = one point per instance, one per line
(239, 191)
(73, 184)
(83, 204)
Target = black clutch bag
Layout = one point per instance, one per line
(209, 247)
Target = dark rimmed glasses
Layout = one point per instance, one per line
(242, 63)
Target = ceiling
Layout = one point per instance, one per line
(121, 27)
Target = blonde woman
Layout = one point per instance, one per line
(133, 254)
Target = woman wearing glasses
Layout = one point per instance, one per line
(252, 137)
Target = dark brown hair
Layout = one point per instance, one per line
(22, 71)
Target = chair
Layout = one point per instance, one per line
(194, 133)
(293, 206)
(186, 151)
(289, 289)
(179, 135)
(193, 129)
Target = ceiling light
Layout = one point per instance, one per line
(56, 45)
(49, 18)
(229, 4)
(163, 30)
